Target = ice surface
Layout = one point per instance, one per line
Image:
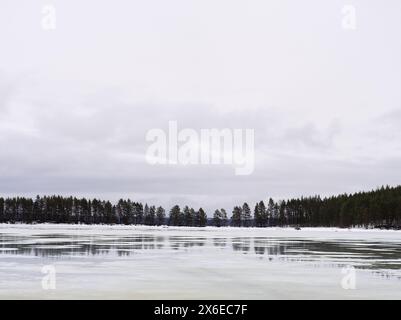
(138, 262)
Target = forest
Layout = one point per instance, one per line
(380, 208)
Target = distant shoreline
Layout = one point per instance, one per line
(380, 208)
(185, 228)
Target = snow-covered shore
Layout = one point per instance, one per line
(227, 231)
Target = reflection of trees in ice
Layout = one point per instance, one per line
(262, 246)
(241, 244)
(56, 245)
(219, 242)
(373, 255)
(319, 253)
(177, 242)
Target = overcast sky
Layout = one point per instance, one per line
(76, 102)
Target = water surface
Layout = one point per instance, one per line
(127, 262)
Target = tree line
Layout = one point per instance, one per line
(381, 207)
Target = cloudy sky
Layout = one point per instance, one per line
(77, 101)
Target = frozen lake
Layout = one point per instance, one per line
(138, 262)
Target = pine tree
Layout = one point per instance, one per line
(138, 213)
(257, 216)
(380, 208)
(246, 215)
(160, 216)
(37, 209)
(149, 215)
(282, 217)
(236, 219)
(217, 218)
(175, 216)
(194, 217)
(263, 214)
(152, 215)
(146, 216)
(188, 218)
(223, 217)
(2, 216)
(202, 218)
(110, 217)
(270, 212)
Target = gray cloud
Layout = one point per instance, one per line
(324, 103)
